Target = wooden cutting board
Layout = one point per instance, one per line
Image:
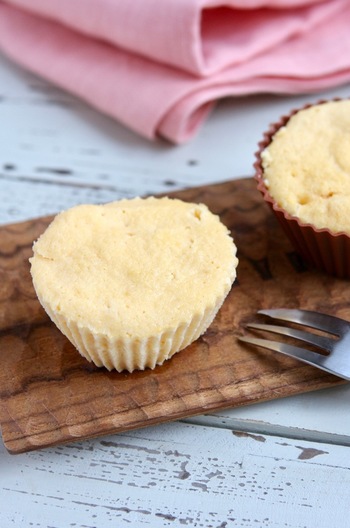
(50, 395)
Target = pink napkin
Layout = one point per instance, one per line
(158, 66)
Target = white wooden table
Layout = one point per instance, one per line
(280, 464)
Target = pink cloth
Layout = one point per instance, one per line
(158, 66)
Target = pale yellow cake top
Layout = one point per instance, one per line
(307, 166)
(134, 266)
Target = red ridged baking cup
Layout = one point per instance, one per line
(320, 248)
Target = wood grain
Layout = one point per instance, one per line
(50, 395)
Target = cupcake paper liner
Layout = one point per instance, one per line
(129, 354)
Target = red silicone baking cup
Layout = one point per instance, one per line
(320, 248)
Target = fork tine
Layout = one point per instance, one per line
(320, 321)
(319, 341)
(312, 358)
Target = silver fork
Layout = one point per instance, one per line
(337, 358)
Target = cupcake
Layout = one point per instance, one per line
(303, 173)
(130, 283)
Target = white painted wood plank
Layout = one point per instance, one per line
(48, 135)
(22, 199)
(178, 475)
(321, 416)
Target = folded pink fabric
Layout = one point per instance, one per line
(158, 66)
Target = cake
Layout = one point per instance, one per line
(132, 282)
(303, 172)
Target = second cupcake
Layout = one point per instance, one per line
(303, 172)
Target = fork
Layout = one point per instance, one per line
(337, 358)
